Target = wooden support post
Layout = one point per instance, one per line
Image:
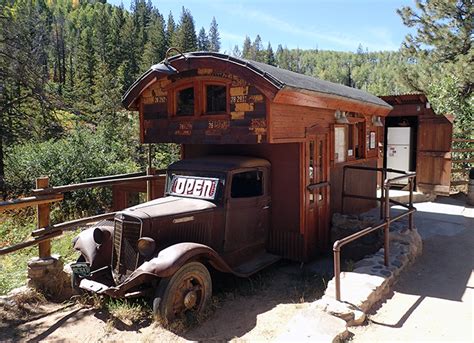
(149, 184)
(42, 218)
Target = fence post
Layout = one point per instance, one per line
(149, 184)
(43, 219)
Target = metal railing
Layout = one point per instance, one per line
(44, 195)
(385, 201)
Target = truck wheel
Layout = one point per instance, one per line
(187, 291)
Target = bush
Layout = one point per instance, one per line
(83, 154)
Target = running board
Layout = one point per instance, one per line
(259, 262)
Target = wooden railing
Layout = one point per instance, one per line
(44, 195)
(385, 202)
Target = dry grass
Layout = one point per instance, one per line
(128, 312)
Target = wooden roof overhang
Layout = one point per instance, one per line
(278, 85)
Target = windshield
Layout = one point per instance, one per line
(198, 185)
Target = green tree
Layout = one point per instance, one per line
(443, 52)
(269, 55)
(203, 40)
(444, 30)
(214, 38)
(170, 30)
(247, 48)
(185, 38)
(155, 48)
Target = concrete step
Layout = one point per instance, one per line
(314, 325)
(404, 196)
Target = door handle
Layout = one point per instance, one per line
(266, 207)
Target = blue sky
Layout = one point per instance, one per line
(324, 24)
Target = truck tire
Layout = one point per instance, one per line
(188, 291)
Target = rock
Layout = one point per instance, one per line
(47, 276)
(314, 325)
(346, 225)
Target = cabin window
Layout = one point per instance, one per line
(185, 102)
(355, 141)
(349, 142)
(340, 143)
(216, 99)
(247, 184)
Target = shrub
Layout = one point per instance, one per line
(83, 154)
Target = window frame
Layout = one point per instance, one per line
(204, 84)
(242, 198)
(358, 125)
(174, 102)
(200, 97)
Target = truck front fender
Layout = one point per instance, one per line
(97, 255)
(167, 262)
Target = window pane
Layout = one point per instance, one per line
(247, 184)
(185, 102)
(340, 144)
(216, 99)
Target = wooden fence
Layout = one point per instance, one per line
(44, 195)
(462, 160)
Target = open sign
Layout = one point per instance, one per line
(195, 187)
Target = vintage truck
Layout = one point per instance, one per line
(214, 216)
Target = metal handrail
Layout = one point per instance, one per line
(385, 213)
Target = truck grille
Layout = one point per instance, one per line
(125, 253)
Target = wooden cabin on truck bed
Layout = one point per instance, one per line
(308, 129)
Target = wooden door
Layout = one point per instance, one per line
(433, 170)
(247, 210)
(317, 194)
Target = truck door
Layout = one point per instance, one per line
(248, 207)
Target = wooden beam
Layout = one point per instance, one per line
(102, 183)
(42, 215)
(72, 224)
(29, 201)
(463, 140)
(22, 245)
(462, 150)
(463, 161)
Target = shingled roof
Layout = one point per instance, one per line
(278, 77)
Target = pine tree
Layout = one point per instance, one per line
(214, 39)
(236, 51)
(444, 30)
(203, 41)
(101, 30)
(170, 31)
(443, 49)
(186, 39)
(269, 55)
(117, 52)
(155, 48)
(257, 51)
(247, 48)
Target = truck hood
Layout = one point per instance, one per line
(167, 206)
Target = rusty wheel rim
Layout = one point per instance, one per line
(189, 295)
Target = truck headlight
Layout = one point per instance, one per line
(146, 246)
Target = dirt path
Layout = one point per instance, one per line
(433, 300)
(242, 309)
